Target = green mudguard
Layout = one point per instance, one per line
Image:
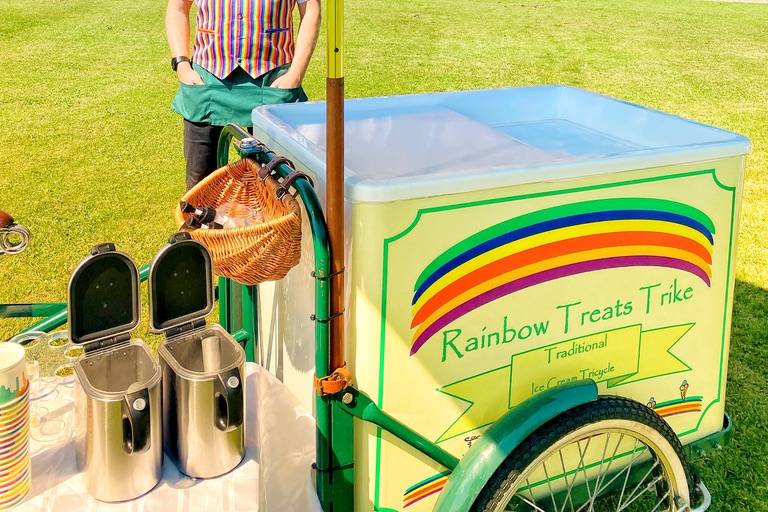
(494, 446)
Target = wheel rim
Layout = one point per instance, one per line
(612, 465)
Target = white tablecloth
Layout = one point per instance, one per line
(275, 474)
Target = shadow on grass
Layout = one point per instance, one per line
(736, 475)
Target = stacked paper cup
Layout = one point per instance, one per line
(15, 467)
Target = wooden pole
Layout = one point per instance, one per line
(334, 164)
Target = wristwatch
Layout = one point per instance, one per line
(178, 60)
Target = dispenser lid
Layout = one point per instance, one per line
(103, 296)
(180, 284)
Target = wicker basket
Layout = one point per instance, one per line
(250, 254)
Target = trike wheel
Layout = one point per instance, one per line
(612, 454)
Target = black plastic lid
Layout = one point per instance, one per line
(103, 296)
(180, 284)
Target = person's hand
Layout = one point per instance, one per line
(287, 81)
(187, 75)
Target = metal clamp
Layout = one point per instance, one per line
(314, 318)
(329, 276)
(332, 469)
(282, 189)
(268, 168)
(250, 146)
(334, 383)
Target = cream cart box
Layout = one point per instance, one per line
(502, 242)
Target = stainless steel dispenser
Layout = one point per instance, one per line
(118, 397)
(203, 389)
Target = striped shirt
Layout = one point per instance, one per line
(256, 35)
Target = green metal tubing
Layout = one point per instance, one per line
(250, 311)
(225, 294)
(322, 290)
(59, 318)
(343, 458)
(359, 405)
(50, 323)
(240, 336)
(231, 131)
(38, 310)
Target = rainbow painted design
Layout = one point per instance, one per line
(674, 407)
(427, 487)
(9, 398)
(554, 243)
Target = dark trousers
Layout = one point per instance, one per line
(200, 143)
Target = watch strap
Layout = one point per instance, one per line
(178, 60)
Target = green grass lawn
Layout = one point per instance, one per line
(90, 152)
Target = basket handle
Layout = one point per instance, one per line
(268, 168)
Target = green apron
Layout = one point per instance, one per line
(219, 102)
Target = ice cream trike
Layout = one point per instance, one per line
(529, 326)
(526, 331)
(527, 308)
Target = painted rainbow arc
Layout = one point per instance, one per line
(424, 489)
(554, 243)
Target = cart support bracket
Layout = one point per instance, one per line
(333, 383)
(494, 446)
(359, 405)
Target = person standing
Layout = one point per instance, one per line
(244, 55)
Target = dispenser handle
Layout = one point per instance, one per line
(136, 422)
(228, 400)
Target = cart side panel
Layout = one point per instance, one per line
(452, 324)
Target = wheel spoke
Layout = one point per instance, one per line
(549, 485)
(628, 470)
(533, 499)
(608, 468)
(583, 468)
(661, 501)
(618, 475)
(535, 506)
(642, 489)
(568, 497)
(599, 474)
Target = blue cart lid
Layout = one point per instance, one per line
(404, 147)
